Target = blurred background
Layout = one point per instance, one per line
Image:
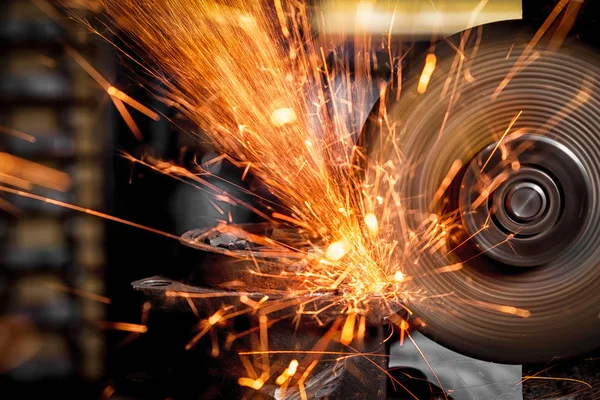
(64, 274)
(48, 337)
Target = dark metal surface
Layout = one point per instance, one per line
(354, 376)
(229, 257)
(169, 294)
(525, 202)
(565, 188)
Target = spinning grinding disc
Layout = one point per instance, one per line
(524, 205)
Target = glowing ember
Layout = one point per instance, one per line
(252, 383)
(399, 276)
(337, 250)
(288, 373)
(428, 69)
(372, 224)
(348, 329)
(283, 116)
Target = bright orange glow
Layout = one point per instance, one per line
(255, 384)
(403, 328)
(337, 250)
(113, 91)
(428, 69)
(303, 379)
(372, 224)
(215, 318)
(16, 182)
(37, 174)
(269, 112)
(449, 268)
(289, 372)
(292, 367)
(399, 276)
(108, 392)
(123, 326)
(283, 116)
(348, 329)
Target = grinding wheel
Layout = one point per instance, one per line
(526, 231)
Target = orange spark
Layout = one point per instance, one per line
(557, 379)
(9, 207)
(79, 292)
(117, 96)
(291, 220)
(86, 211)
(282, 18)
(108, 392)
(123, 326)
(348, 329)
(216, 317)
(454, 169)
(486, 192)
(303, 379)
(289, 372)
(428, 69)
(449, 268)
(512, 122)
(127, 118)
(114, 92)
(362, 327)
(145, 312)
(17, 134)
(511, 310)
(521, 61)
(14, 181)
(403, 329)
(255, 384)
(372, 224)
(246, 171)
(337, 250)
(33, 172)
(264, 342)
(87, 67)
(429, 365)
(566, 23)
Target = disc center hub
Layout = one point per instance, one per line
(534, 214)
(525, 202)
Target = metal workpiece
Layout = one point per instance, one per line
(360, 375)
